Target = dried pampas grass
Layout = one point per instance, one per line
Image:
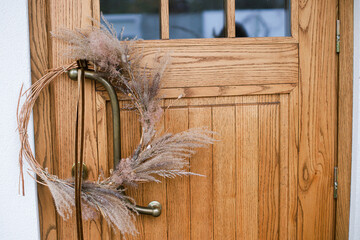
(156, 156)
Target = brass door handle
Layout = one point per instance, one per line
(154, 207)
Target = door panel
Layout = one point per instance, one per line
(224, 64)
(245, 192)
(273, 102)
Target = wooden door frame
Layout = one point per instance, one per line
(39, 13)
(345, 109)
(43, 135)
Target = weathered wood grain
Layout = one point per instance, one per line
(294, 5)
(224, 178)
(92, 229)
(70, 14)
(345, 96)
(200, 113)
(293, 161)
(39, 56)
(110, 153)
(130, 138)
(318, 119)
(102, 146)
(217, 91)
(156, 228)
(64, 105)
(230, 18)
(178, 190)
(269, 183)
(247, 166)
(164, 19)
(226, 65)
(201, 188)
(284, 131)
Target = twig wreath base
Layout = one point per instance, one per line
(163, 156)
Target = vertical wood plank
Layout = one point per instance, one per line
(102, 145)
(269, 168)
(294, 5)
(293, 161)
(230, 18)
(284, 167)
(68, 14)
(96, 10)
(178, 190)
(130, 138)
(346, 16)
(92, 229)
(110, 154)
(63, 104)
(39, 57)
(247, 164)
(201, 187)
(318, 118)
(156, 228)
(109, 136)
(224, 171)
(164, 19)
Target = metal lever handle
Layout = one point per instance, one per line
(73, 73)
(154, 207)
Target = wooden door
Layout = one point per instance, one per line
(273, 102)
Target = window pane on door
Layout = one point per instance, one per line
(139, 18)
(262, 18)
(196, 19)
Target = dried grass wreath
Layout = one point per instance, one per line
(163, 156)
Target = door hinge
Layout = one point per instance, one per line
(338, 36)
(335, 182)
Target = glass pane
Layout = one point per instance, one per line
(262, 18)
(196, 18)
(140, 18)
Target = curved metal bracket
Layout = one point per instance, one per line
(114, 107)
(154, 207)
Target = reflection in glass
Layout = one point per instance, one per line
(263, 18)
(139, 18)
(196, 18)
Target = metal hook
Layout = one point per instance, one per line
(154, 207)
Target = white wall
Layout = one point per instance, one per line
(18, 214)
(355, 169)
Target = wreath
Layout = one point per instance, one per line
(155, 156)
